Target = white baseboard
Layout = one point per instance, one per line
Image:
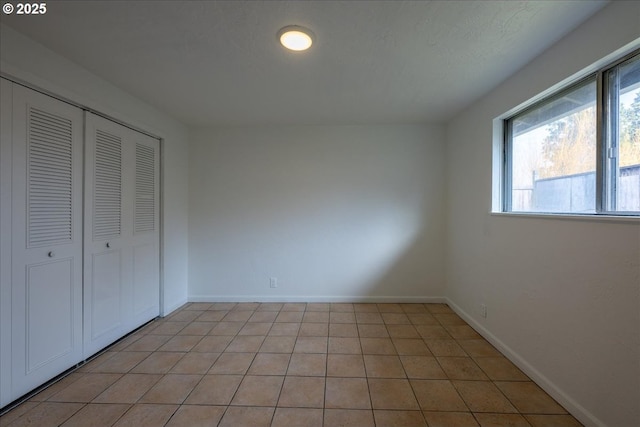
(352, 299)
(167, 310)
(577, 410)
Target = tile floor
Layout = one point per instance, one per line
(252, 364)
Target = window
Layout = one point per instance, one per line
(578, 150)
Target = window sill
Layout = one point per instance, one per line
(634, 219)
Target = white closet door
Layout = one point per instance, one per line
(106, 252)
(121, 232)
(145, 239)
(46, 297)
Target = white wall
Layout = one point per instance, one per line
(21, 58)
(334, 212)
(563, 295)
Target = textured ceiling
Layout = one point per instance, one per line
(218, 62)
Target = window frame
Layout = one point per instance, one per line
(605, 178)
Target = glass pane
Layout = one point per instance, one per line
(553, 154)
(627, 195)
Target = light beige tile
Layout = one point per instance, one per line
(269, 364)
(315, 317)
(422, 319)
(148, 343)
(181, 343)
(343, 330)
(302, 392)
(288, 417)
(172, 388)
(212, 344)
(147, 415)
(314, 330)
(365, 308)
(342, 317)
(263, 316)
(399, 418)
(158, 363)
(185, 315)
(246, 306)
(237, 316)
(214, 390)
(289, 317)
(372, 331)
(445, 347)
(392, 394)
(411, 347)
(422, 367)
(195, 363)
(462, 332)
(196, 416)
(270, 306)
(47, 414)
(168, 328)
(284, 329)
(345, 365)
(483, 396)
(278, 344)
(247, 416)
(122, 362)
(97, 415)
(430, 332)
(402, 331)
(377, 346)
(450, 419)
(390, 308)
(369, 317)
(437, 395)
(379, 366)
(347, 393)
(500, 369)
(438, 308)
(17, 412)
(212, 316)
(202, 306)
(342, 307)
(86, 388)
(294, 306)
(344, 345)
(552, 420)
(461, 368)
(501, 420)
(222, 306)
(449, 319)
(244, 344)
(479, 348)
(413, 308)
(128, 389)
(232, 363)
(256, 328)
(56, 387)
(258, 391)
(528, 398)
(310, 345)
(318, 307)
(226, 328)
(395, 319)
(309, 365)
(348, 418)
(197, 328)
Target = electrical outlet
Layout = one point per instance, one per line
(483, 310)
(273, 282)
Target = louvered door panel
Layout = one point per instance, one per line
(107, 197)
(46, 228)
(49, 175)
(145, 189)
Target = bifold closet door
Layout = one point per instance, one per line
(121, 259)
(46, 236)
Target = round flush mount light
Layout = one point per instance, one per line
(296, 38)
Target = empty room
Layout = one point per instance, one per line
(320, 213)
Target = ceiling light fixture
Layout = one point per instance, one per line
(296, 38)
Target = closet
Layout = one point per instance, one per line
(80, 236)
